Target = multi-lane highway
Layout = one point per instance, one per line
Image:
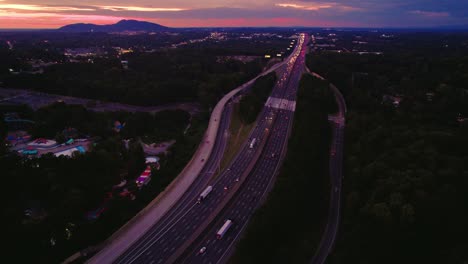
(187, 221)
(255, 187)
(185, 202)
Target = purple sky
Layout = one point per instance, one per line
(186, 13)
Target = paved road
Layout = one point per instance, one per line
(157, 213)
(256, 186)
(165, 205)
(165, 239)
(336, 176)
(197, 186)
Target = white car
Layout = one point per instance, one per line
(202, 250)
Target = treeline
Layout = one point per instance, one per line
(287, 228)
(409, 72)
(152, 78)
(406, 174)
(252, 103)
(257, 46)
(52, 121)
(61, 40)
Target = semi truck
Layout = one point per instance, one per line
(224, 229)
(205, 193)
(252, 143)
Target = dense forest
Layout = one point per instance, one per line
(48, 198)
(406, 152)
(287, 228)
(162, 126)
(151, 78)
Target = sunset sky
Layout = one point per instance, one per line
(189, 13)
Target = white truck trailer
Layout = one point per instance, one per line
(205, 193)
(224, 229)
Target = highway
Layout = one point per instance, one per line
(256, 186)
(166, 240)
(149, 220)
(201, 181)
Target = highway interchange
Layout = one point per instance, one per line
(237, 192)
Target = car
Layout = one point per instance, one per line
(202, 250)
(225, 188)
(237, 179)
(202, 160)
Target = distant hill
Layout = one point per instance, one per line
(123, 25)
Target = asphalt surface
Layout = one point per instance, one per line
(197, 187)
(255, 187)
(165, 239)
(336, 175)
(149, 218)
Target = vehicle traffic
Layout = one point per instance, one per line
(202, 250)
(223, 230)
(252, 143)
(205, 193)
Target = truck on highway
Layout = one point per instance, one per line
(224, 229)
(205, 193)
(252, 143)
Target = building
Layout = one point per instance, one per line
(144, 178)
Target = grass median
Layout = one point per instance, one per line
(238, 134)
(244, 115)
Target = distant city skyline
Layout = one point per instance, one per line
(236, 13)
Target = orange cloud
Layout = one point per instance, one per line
(25, 7)
(10, 19)
(140, 9)
(312, 6)
(304, 7)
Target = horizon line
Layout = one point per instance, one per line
(297, 26)
(425, 27)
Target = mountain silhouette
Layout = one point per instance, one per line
(123, 25)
